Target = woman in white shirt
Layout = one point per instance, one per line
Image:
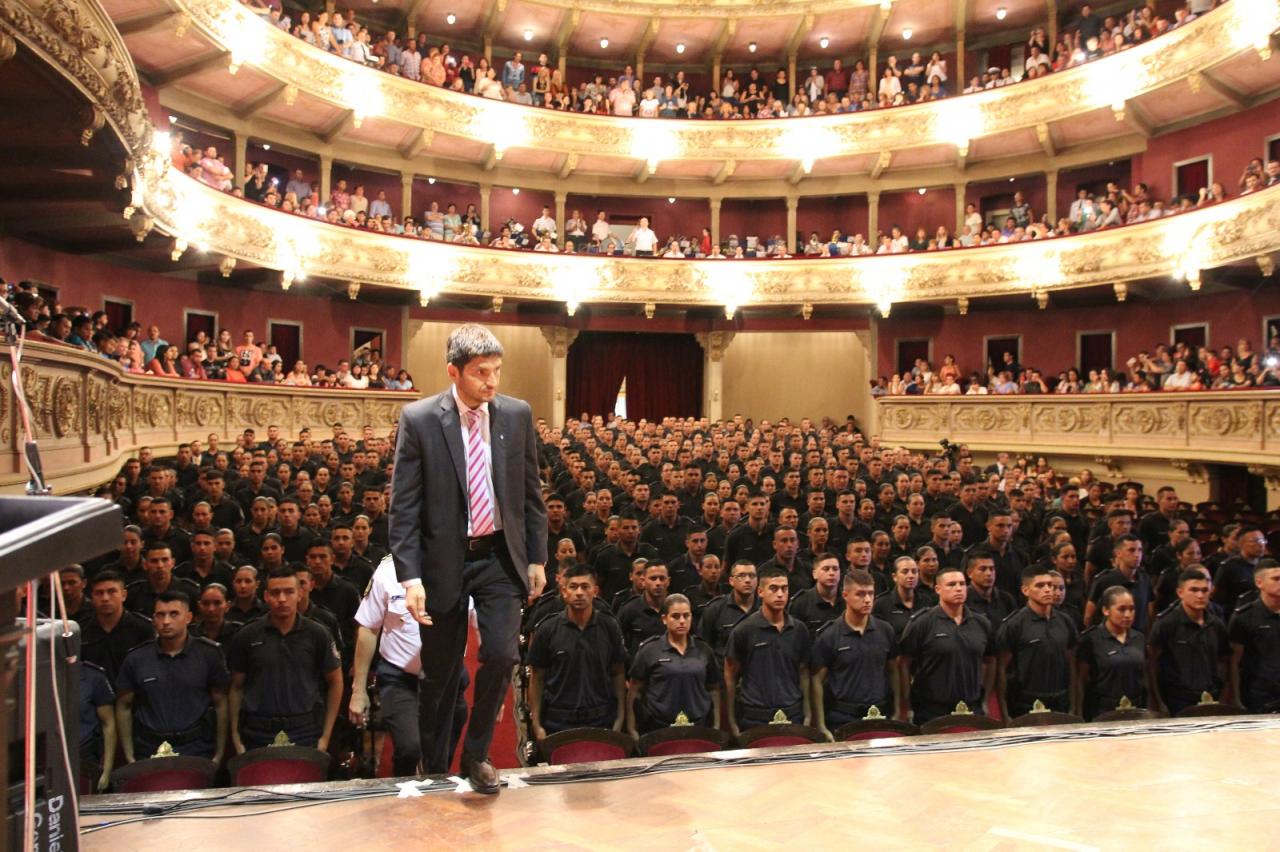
(488, 86)
(937, 67)
(356, 379)
(890, 85)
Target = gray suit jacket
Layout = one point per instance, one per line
(428, 517)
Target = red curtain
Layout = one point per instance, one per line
(1192, 177)
(663, 374)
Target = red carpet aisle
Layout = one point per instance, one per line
(503, 752)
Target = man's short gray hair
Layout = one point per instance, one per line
(470, 341)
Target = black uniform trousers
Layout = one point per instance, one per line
(492, 582)
(411, 722)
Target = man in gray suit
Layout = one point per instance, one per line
(467, 521)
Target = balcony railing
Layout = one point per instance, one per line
(89, 415)
(1239, 427)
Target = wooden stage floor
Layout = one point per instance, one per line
(1193, 784)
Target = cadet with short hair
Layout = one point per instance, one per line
(1037, 651)
(1188, 650)
(854, 661)
(766, 666)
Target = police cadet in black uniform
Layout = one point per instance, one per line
(952, 650)
(1254, 631)
(820, 603)
(1112, 657)
(1188, 649)
(711, 585)
(204, 568)
(906, 599)
(641, 618)
(579, 664)
(854, 660)
(634, 589)
(984, 597)
(754, 539)
(1126, 571)
(723, 613)
(157, 562)
(766, 665)
(109, 634)
(674, 676)
(1037, 651)
(285, 674)
(173, 689)
(613, 562)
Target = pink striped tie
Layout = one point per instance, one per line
(481, 503)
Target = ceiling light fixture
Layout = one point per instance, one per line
(528, 34)
(823, 42)
(431, 181)
(906, 33)
(921, 190)
(1000, 13)
(671, 199)
(266, 146)
(752, 46)
(451, 19)
(604, 42)
(680, 47)
(515, 190)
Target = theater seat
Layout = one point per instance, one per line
(156, 774)
(778, 735)
(960, 721)
(683, 739)
(278, 765)
(1208, 707)
(1039, 718)
(874, 729)
(87, 784)
(586, 745)
(1127, 714)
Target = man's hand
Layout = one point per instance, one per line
(322, 744)
(415, 601)
(539, 733)
(104, 782)
(537, 581)
(358, 708)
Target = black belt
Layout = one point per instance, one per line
(280, 721)
(578, 714)
(848, 708)
(789, 711)
(198, 731)
(481, 547)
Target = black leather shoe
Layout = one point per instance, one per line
(482, 776)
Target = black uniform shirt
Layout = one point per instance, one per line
(578, 662)
(769, 660)
(1257, 629)
(808, 606)
(676, 683)
(856, 663)
(948, 656)
(639, 622)
(890, 608)
(745, 543)
(613, 567)
(1189, 654)
(718, 620)
(108, 650)
(284, 672)
(1139, 587)
(1041, 648)
(172, 691)
(1117, 670)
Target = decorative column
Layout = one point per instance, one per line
(715, 73)
(559, 340)
(715, 222)
(240, 152)
(406, 195)
(561, 197)
(713, 346)
(957, 73)
(960, 205)
(873, 217)
(793, 202)
(791, 75)
(326, 174)
(873, 81)
(1051, 195)
(485, 189)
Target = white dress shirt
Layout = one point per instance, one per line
(383, 611)
(486, 444)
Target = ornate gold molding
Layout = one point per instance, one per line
(1108, 83)
(80, 41)
(1240, 427)
(683, 9)
(1236, 230)
(88, 414)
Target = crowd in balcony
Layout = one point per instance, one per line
(913, 78)
(1178, 367)
(143, 350)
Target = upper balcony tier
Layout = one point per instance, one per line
(217, 61)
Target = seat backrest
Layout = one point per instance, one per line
(585, 751)
(777, 736)
(689, 746)
(960, 723)
(279, 765)
(158, 774)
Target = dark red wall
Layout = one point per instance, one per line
(687, 216)
(281, 164)
(425, 192)
(748, 216)
(524, 208)
(998, 194)
(373, 183)
(826, 213)
(1049, 336)
(161, 299)
(911, 210)
(1093, 178)
(1232, 141)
